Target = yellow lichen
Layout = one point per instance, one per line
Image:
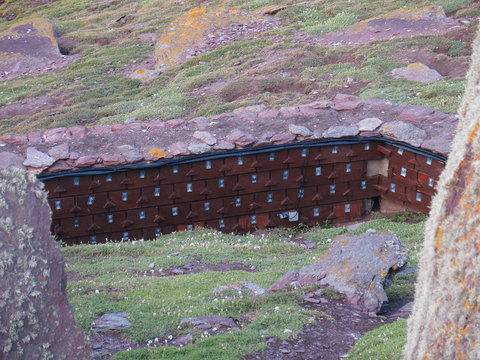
(158, 153)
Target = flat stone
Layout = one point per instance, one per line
(322, 104)
(289, 111)
(118, 127)
(224, 145)
(210, 321)
(312, 300)
(404, 131)
(248, 286)
(130, 153)
(354, 265)
(308, 110)
(183, 340)
(369, 124)
(282, 138)
(175, 123)
(54, 135)
(439, 144)
(134, 126)
(35, 138)
(111, 322)
(241, 138)
(101, 129)
(85, 161)
(205, 136)
(113, 159)
(341, 131)
(201, 122)
(415, 113)
(198, 148)
(179, 148)
(37, 319)
(8, 159)
(15, 139)
(37, 159)
(300, 130)
(347, 105)
(156, 125)
(60, 165)
(417, 72)
(76, 132)
(61, 151)
(144, 75)
(256, 109)
(269, 114)
(131, 120)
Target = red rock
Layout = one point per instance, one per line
(339, 98)
(38, 320)
(54, 135)
(415, 113)
(8, 159)
(175, 123)
(60, 165)
(205, 137)
(16, 139)
(322, 104)
(347, 105)
(179, 148)
(283, 138)
(269, 114)
(85, 161)
(101, 129)
(289, 111)
(135, 126)
(241, 138)
(113, 159)
(118, 127)
(61, 151)
(201, 122)
(76, 132)
(156, 125)
(35, 138)
(308, 110)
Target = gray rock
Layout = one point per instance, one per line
(241, 138)
(8, 159)
(207, 322)
(37, 320)
(198, 148)
(151, 266)
(183, 340)
(417, 72)
(299, 130)
(179, 148)
(249, 286)
(341, 131)
(356, 266)
(37, 159)
(369, 124)
(205, 136)
(130, 153)
(404, 131)
(61, 151)
(111, 322)
(131, 120)
(224, 145)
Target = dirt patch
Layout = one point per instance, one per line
(338, 327)
(196, 267)
(33, 106)
(73, 276)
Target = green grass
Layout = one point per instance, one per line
(108, 278)
(385, 343)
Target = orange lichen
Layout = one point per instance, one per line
(158, 153)
(42, 27)
(383, 273)
(140, 71)
(438, 238)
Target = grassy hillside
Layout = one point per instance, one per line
(277, 68)
(113, 278)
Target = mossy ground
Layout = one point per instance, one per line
(99, 90)
(105, 279)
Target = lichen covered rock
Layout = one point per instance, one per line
(36, 321)
(356, 266)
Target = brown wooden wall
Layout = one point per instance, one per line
(273, 187)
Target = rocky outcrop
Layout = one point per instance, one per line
(64, 149)
(36, 321)
(356, 266)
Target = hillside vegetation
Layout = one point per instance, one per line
(276, 67)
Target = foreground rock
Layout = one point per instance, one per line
(112, 322)
(36, 321)
(356, 266)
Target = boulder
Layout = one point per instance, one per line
(36, 321)
(112, 322)
(416, 72)
(356, 266)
